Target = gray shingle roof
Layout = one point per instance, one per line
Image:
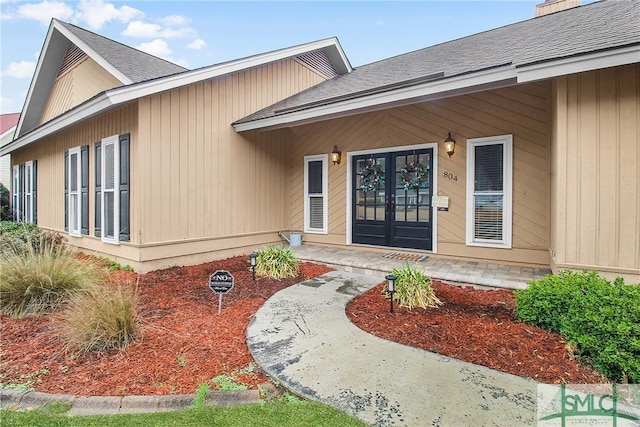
(136, 65)
(581, 30)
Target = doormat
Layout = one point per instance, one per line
(406, 257)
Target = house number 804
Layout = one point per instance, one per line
(451, 176)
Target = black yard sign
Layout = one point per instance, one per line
(221, 282)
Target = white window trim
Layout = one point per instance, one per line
(507, 201)
(28, 183)
(115, 140)
(75, 229)
(16, 192)
(325, 193)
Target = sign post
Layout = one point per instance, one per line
(221, 282)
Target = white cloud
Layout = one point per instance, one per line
(146, 30)
(175, 20)
(46, 10)
(156, 47)
(96, 13)
(20, 70)
(197, 44)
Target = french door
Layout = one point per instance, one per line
(392, 199)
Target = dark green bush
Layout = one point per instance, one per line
(5, 211)
(600, 317)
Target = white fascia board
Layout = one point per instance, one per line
(91, 108)
(92, 53)
(378, 99)
(139, 90)
(578, 64)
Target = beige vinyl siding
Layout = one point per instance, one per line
(523, 111)
(83, 81)
(49, 153)
(197, 178)
(596, 182)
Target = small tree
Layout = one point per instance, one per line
(5, 210)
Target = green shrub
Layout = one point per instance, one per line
(40, 275)
(277, 263)
(601, 318)
(102, 319)
(5, 211)
(413, 289)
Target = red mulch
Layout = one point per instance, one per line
(185, 342)
(476, 326)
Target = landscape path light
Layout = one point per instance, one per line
(252, 262)
(391, 287)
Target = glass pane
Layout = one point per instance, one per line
(109, 220)
(370, 175)
(369, 213)
(424, 213)
(488, 215)
(109, 167)
(27, 181)
(73, 212)
(316, 212)
(73, 172)
(315, 177)
(488, 167)
(360, 212)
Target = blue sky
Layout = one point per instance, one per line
(199, 33)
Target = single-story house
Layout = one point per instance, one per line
(520, 144)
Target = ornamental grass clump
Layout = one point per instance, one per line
(100, 320)
(413, 289)
(39, 274)
(276, 263)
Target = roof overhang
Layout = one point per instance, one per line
(448, 86)
(53, 51)
(124, 94)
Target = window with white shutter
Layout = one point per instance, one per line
(73, 180)
(489, 188)
(110, 189)
(315, 194)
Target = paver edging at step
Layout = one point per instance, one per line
(103, 405)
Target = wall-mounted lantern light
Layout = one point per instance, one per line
(252, 262)
(449, 145)
(336, 155)
(391, 287)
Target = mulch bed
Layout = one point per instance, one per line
(185, 342)
(473, 325)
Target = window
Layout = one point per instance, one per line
(29, 194)
(24, 192)
(315, 193)
(76, 190)
(489, 199)
(112, 189)
(17, 193)
(74, 198)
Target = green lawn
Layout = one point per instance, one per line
(281, 414)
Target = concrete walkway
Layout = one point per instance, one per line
(302, 338)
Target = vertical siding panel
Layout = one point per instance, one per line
(608, 160)
(573, 220)
(163, 146)
(589, 173)
(183, 176)
(629, 170)
(207, 208)
(156, 147)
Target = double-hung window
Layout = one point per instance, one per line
(73, 181)
(30, 192)
(112, 189)
(489, 191)
(315, 194)
(17, 193)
